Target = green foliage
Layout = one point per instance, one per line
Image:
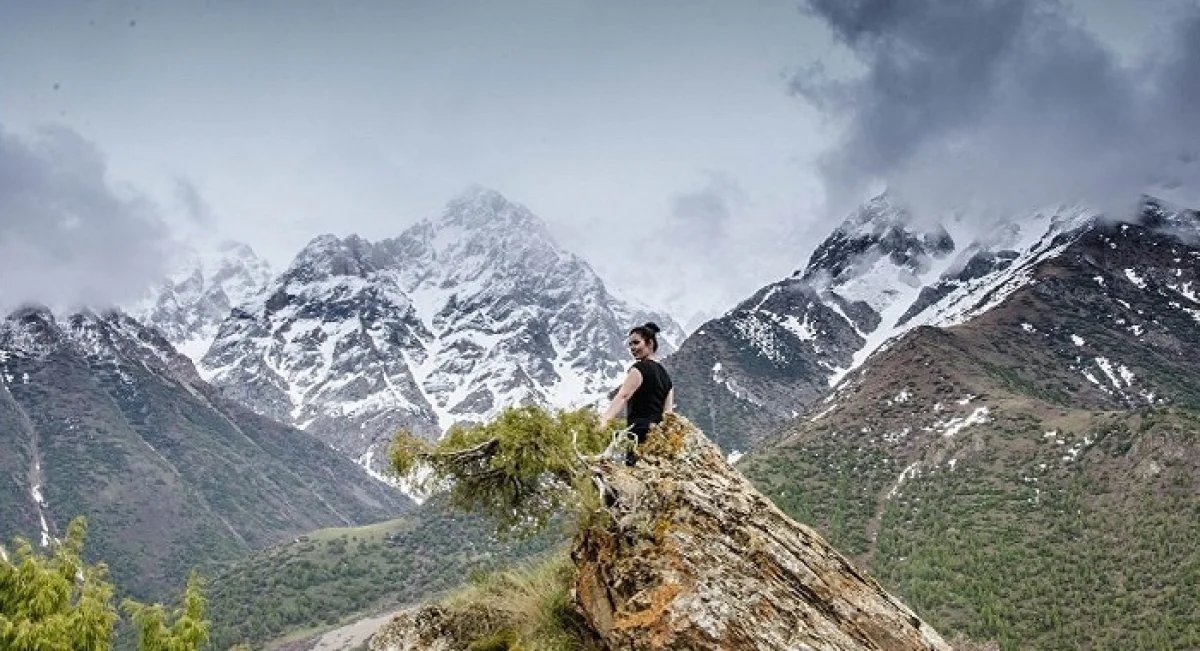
(183, 630)
(516, 474)
(1014, 544)
(328, 577)
(55, 603)
(532, 602)
(60, 603)
(520, 470)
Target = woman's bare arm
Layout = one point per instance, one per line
(669, 405)
(632, 381)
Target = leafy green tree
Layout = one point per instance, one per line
(520, 469)
(185, 629)
(57, 602)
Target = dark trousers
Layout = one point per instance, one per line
(640, 427)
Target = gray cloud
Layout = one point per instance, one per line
(1003, 103)
(194, 205)
(706, 214)
(67, 237)
(720, 240)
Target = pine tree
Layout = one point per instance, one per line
(57, 602)
(520, 469)
(183, 630)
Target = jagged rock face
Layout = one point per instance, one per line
(326, 349)
(101, 416)
(694, 557)
(455, 319)
(739, 376)
(745, 374)
(433, 628)
(879, 239)
(754, 365)
(690, 556)
(189, 308)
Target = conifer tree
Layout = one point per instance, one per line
(183, 630)
(520, 469)
(57, 602)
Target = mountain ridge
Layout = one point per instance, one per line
(105, 419)
(455, 318)
(798, 336)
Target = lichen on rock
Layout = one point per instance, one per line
(695, 558)
(689, 555)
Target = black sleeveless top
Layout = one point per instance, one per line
(646, 404)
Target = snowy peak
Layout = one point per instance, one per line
(880, 228)
(877, 278)
(111, 339)
(188, 308)
(328, 256)
(1159, 215)
(483, 209)
(458, 317)
(31, 331)
(873, 256)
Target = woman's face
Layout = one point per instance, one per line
(639, 347)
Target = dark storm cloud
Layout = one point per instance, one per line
(67, 237)
(1003, 103)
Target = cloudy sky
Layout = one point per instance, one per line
(725, 137)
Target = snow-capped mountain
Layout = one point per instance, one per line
(1049, 418)
(456, 318)
(101, 416)
(190, 306)
(877, 276)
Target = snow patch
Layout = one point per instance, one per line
(956, 424)
(1079, 341)
(908, 473)
(1115, 374)
(1185, 290)
(1074, 451)
(1134, 278)
(1092, 378)
(760, 336)
(803, 330)
(823, 412)
(733, 457)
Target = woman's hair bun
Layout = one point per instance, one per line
(652, 327)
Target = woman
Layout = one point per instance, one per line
(647, 389)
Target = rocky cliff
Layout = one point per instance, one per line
(690, 556)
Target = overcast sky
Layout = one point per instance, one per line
(691, 150)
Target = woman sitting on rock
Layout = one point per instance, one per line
(647, 389)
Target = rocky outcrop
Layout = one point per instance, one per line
(694, 557)
(690, 556)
